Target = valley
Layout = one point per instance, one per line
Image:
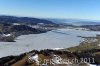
(24, 40)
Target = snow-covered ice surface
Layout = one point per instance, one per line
(93, 65)
(61, 38)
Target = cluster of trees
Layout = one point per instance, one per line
(8, 28)
(48, 52)
(9, 60)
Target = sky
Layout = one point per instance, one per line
(81, 9)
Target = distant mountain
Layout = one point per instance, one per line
(14, 19)
(87, 23)
(75, 21)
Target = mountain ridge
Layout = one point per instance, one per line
(75, 21)
(15, 19)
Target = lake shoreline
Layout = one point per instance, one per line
(49, 40)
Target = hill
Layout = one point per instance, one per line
(14, 19)
(75, 21)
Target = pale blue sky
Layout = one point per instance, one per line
(82, 9)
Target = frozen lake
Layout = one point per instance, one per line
(61, 38)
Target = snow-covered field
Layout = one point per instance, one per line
(61, 38)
